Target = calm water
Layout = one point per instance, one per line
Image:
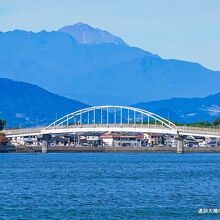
(109, 186)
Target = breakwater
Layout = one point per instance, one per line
(57, 149)
(6, 149)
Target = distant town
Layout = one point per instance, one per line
(113, 139)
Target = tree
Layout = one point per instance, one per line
(2, 124)
(216, 122)
(3, 139)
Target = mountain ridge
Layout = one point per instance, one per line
(27, 105)
(87, 34)
(152, 85)
(104, 73)
(185, 110)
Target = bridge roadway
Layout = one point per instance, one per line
(133, 128)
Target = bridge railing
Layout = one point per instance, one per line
(198, 129)
(23, 130)
(182, 129)
(110, 125)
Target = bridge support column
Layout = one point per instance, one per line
(44, 146)
(45, 140)
(180, 145)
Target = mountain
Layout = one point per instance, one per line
(23, 104)
(147, 79)
(56, 61)
(86, 34)
(26, 105)
(99, 73)
(185, 110)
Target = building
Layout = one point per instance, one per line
(93, 139)
(25, 141)
(110, 139)
(154, 139)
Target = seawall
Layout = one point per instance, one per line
(63, 149)
(7, 149)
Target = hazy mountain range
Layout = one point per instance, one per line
(185, 110)
(27, 105)
(96, 67)
(23, 104)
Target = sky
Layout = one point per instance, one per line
(174, 29)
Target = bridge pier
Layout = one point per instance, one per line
(45, 140)
(180, 145)
(44, 146)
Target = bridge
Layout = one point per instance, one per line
(115, 119)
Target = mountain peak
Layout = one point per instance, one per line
(87, 34)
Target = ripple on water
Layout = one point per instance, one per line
(109, 186)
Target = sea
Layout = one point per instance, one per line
(110, 186)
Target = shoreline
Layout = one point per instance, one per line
(113, 150)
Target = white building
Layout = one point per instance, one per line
(25, 141)
(153, 138)
(121, 140)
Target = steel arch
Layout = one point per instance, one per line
(64, 122)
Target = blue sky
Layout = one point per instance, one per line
(187, 30)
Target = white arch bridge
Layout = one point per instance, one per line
(111, 119)
(114, 119)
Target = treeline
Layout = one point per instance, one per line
(3, 139)
(2, 124)
(204, 124)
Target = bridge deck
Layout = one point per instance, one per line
(152, 128)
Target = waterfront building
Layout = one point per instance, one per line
(121, 140)
(155, 139)
(25, 141)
